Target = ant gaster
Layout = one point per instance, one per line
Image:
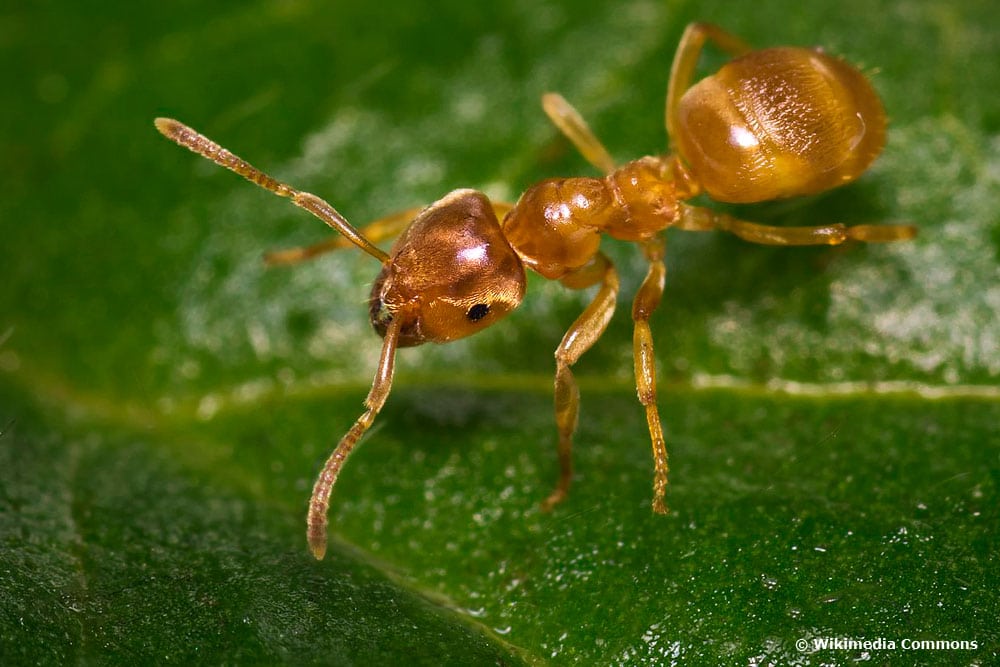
(773, 123)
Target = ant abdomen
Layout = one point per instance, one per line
(779, 122)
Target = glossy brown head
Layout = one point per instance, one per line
(452, 273)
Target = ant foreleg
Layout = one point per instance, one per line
(647, 298)
(699, 219)
(584, 332)
(569, 121)
(319, 503)
(379, 230)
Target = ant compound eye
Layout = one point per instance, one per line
(477, 312)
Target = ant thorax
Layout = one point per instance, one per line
(556, 225)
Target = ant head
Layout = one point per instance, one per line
(451, 273)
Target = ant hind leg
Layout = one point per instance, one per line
(700, 219)
(686, 60)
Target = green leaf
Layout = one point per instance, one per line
(165, 400)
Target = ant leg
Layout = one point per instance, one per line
(183, 135)
(319, 503)
(584, 332)
(686, 60)
(379, 230)
(698, 219)
(646, 301)
(569, 121)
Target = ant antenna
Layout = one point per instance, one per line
(184, 136)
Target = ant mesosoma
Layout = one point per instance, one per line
(773, 123)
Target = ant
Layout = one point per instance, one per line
(772, 123)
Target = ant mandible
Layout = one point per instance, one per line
(773, 123)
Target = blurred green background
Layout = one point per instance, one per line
(165, 401)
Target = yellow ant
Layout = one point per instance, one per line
(773, 123)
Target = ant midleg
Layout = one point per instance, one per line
(569, 121)
(647, 298)
(583, 333)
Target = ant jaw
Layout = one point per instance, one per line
(382, 314)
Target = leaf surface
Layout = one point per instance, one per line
(165, 400)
